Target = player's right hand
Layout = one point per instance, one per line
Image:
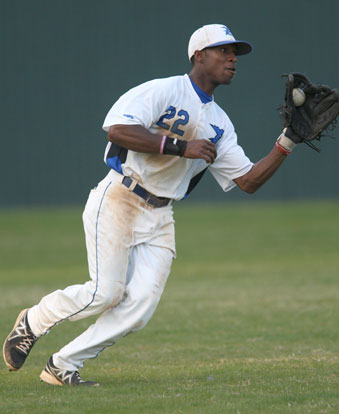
(201, 148)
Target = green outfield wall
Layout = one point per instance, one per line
(65, 62)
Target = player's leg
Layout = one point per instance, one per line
(148, 272)
(108, 240)
(107, 243)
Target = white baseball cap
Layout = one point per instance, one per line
(212, 35)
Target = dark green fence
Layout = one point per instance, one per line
(64, 62)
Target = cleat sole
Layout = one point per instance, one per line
(49, 379)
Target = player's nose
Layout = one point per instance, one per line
(232, 58)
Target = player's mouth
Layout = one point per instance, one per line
(231, 70)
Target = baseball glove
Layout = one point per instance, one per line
(315, 117)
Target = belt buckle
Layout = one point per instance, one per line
(132, 184)
(148, 198)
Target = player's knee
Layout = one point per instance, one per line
(108, 298)
(146, 307)
(139, 325)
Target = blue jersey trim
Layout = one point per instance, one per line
(204, 97)
(115, 164)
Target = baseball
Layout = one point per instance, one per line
(298, 96)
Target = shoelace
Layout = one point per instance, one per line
(26, 344)
(28, 340)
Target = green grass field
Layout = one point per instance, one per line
(248, 323)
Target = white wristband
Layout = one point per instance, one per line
(286, 142)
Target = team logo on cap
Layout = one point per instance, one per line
(227, 30)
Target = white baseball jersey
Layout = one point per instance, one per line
(178, 108)
(130, 245)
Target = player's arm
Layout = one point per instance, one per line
(261, 171)
(139, 139)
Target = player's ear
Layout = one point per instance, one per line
(199, 56)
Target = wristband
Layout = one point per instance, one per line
(174, 146)
(281, 149)
(286, 142)
(162, 144)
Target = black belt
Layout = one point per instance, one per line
(147, 196)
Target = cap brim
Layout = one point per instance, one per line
(243, 48)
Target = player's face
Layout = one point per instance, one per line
(220, 64)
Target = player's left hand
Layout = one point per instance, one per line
(201, 148)
(316, 111)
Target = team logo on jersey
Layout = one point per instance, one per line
(218, 134)
(129, 116)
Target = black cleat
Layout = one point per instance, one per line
(18, 343)
(57, 376)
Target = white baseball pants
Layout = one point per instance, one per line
(130, 248)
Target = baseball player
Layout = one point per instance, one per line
(162, 135)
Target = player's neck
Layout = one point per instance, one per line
(202, 82)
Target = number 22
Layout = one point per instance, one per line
(170, 114)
